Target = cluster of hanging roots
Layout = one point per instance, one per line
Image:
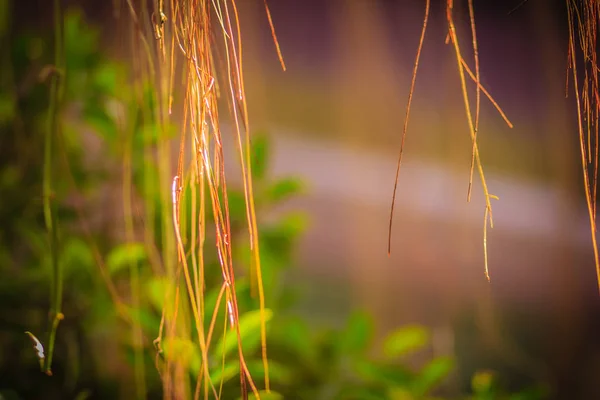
(192, 50)
(582, 69)
(200, 40)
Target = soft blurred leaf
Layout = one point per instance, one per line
(84, 395)
(249, 326)
(184, 352)
(125, 255)
(358, 333)
(102, 123)
(283, 189)
(294, 336)
(259, 156)
(278, 373)
(482, 382)
(78, 263)
(383, 374)
(148, 321)
(237, 205)
(534, 393)
(432, 374)
(77, 253)
(264, 395)
(224, 373)
(9, 394)
(360, 392)
(105, 78)
(156, 288)
(80, 39)
(279, 238)
(7, 107)
(405, 340)
(399, 393)
(293, 224)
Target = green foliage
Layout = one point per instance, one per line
(124, 255)
(249, 326)
(405, 340)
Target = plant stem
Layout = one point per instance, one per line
(49, 208)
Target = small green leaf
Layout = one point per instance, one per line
(104, 125)
(155, 290)
(259, 156)
(8, 394)
(278, 372)
(237, 205)
(249, 325)
(147, 320)
(293, 224)
(399, 393)
(405, 340)
(125, 255)
(294, 334)
(482, 382)
(77, 255)
(358, 333)
(105, 78)
(264, 395)
(7, 108)
(383, 374)
(224, 373)
(83, 395)
(283, 189)
(184, 352)
(432, 374)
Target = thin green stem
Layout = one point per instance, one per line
(56, 94)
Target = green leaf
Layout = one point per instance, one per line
(358, 333)
(224, 373)
(278, 372)
(105, 78)
(102, 123)
(249, 325)
(283, 189)
(237, 205)
(183, 352)
(533, 393)
(83, 395)
(293, 224)
(147, 320)
(259, 157)
(405, 340)
(151, 133)
(482, 382)
(264, 395)
(156, 289)
(382, 374)
(80, 43)
(9, 394)
(432, 374)
(295, 334)
(124, 256)
(399, 393)
(77, 255)
(7, 107)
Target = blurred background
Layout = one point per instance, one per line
(334, 121)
